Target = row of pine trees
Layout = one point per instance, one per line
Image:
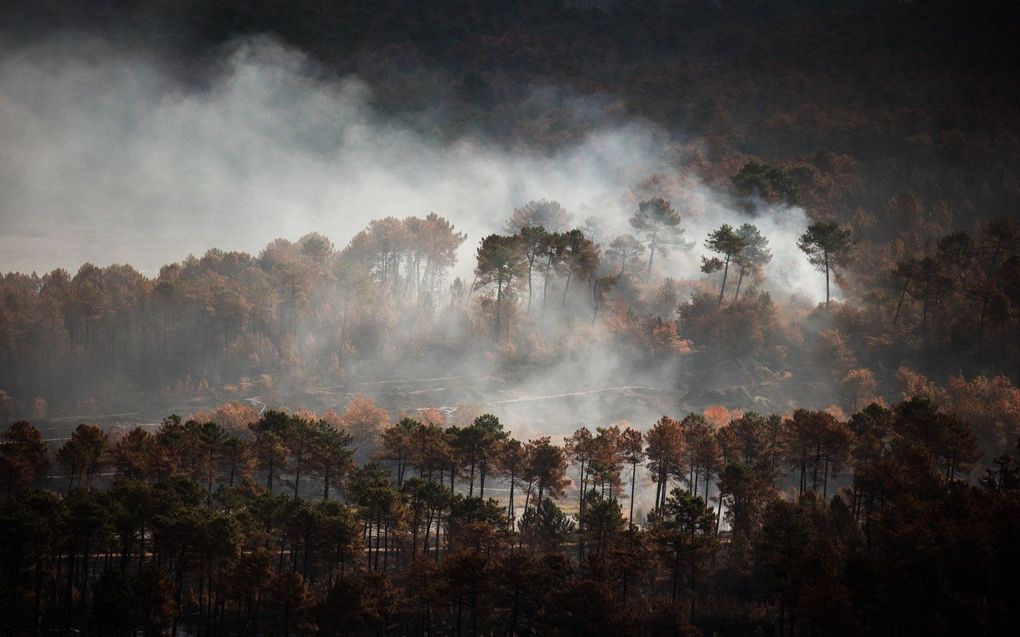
(880, 524)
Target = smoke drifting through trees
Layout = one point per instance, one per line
(119, 163)
(410, 295)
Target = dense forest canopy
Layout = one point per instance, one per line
(530, 317)
(235, 522)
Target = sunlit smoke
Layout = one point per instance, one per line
(109, 159)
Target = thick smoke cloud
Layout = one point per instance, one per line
(107, 158)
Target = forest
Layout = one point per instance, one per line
(304, 325)
(899, 518)
(489, 317)
(879, 524)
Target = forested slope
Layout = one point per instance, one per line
(749, 367)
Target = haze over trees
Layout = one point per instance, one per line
(660, 226)
(234, 326)
(535, 406)
(826, 245)
(730, 245)
(753, 256)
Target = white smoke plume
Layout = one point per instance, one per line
(108, 159)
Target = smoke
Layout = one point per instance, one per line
(109, 159)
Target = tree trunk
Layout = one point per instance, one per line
(566, 286)
(651, 256)
(726, 272)
(630, 519)
(825, 481)
(814, 472)
(740, 280)
(531, 267)
(545, 283)
(471, 481)
(510, 510)
(499, 305)
(826, 278)
(899, 304)
(481, 479)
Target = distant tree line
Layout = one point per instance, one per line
(226, 323)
